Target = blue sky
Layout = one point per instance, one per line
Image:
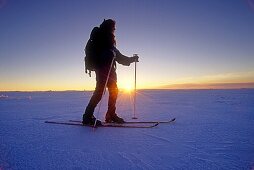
(178, 41)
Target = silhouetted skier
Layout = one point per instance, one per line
(101, 57)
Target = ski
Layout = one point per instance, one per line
(133, 122)
(124, 125)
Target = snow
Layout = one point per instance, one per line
(214, 129)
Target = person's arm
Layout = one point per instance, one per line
(124, 60)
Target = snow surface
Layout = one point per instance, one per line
(214, 129)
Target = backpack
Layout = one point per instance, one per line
(92, 51)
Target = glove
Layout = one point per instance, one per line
(134, 59)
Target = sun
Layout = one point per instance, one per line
(127, 88)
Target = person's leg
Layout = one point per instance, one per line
(95, 99)
(111, 115)
(113, 92)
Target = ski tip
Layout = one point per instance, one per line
(173, 119)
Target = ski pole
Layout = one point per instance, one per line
(135, 88)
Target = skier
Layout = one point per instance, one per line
(106, 57)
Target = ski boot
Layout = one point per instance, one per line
(113, 118)
(90, 120)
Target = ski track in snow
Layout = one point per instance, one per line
(136, 162)
(213, 130)
(167, 141)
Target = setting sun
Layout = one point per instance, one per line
(127, 88)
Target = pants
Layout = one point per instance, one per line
(101, 78)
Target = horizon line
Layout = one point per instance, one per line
(182, 86)
(249, 88)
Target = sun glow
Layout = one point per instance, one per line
(127, 88)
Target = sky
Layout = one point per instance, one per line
(178, 42)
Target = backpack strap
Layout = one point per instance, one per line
(87, 71)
